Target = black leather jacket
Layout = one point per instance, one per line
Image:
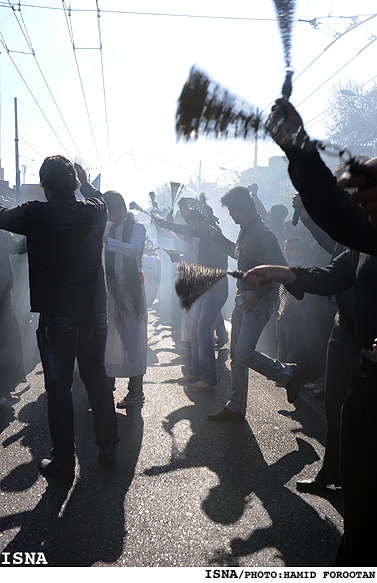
(64, 245)
(330, 208)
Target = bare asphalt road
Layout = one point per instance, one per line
(185, 491)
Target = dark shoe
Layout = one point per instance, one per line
(106, 458)
(313, 486)
(49, 468)
(130, 402)
(293, 387)
(188, 378)
(318, 384)
(203, 386)
(225, 415)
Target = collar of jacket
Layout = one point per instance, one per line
(62, 194)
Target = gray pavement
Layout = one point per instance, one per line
(185, 491)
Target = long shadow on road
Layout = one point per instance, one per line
(299, 534)
(77, 523)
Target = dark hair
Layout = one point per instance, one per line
(239, 197)
(188, 203)
(58, 173)
(114, 200)
(196, 217)
(279, 210)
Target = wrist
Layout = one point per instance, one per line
(282, 274)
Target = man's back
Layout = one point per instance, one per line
(64, 240)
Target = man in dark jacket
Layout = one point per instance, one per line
(67, 288)
(350, 220)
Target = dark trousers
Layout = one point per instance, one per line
(341, 361)
(60, 341)
(358, 469)
(135, 386)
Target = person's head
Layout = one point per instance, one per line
(197, 220)
(116, 207)
(293, 249)
(56, 174)
(277, 214)
(185, 205)
(240, 205)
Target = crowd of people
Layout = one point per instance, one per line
(87, 284)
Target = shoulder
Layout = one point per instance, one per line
(138, 227)
(266, 232)
(96, 205)
(93, 201)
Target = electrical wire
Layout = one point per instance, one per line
(32, 52)
(103, 77)
(163, 14)
(31, 93)
(311, 94)
(67, 14)
(308, 125)
(341, 68)
(351, 27)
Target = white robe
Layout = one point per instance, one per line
(126, 347)
(190, 256)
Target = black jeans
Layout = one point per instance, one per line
(358, 469)
(342, 358)
(60, 341)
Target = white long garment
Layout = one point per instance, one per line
(126, 347)
(190, 256)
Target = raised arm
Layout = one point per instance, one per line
(323, 239)
(86, 189)
(221, 241)
(329, 206)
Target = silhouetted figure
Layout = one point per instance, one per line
(67, 288)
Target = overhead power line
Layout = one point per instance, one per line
(31, 93)
(103, 76)
(184, 15)
(308, 125)
(67, 13)
(351, 27)
(32, 52)
(341, 68)
(163, 14)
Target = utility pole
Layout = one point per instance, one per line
(18, 188)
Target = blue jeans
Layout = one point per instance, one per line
(247, 326)
(207, 309)
(60, 341)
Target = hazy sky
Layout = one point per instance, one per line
(118, 115)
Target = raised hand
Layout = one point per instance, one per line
(81, 174)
